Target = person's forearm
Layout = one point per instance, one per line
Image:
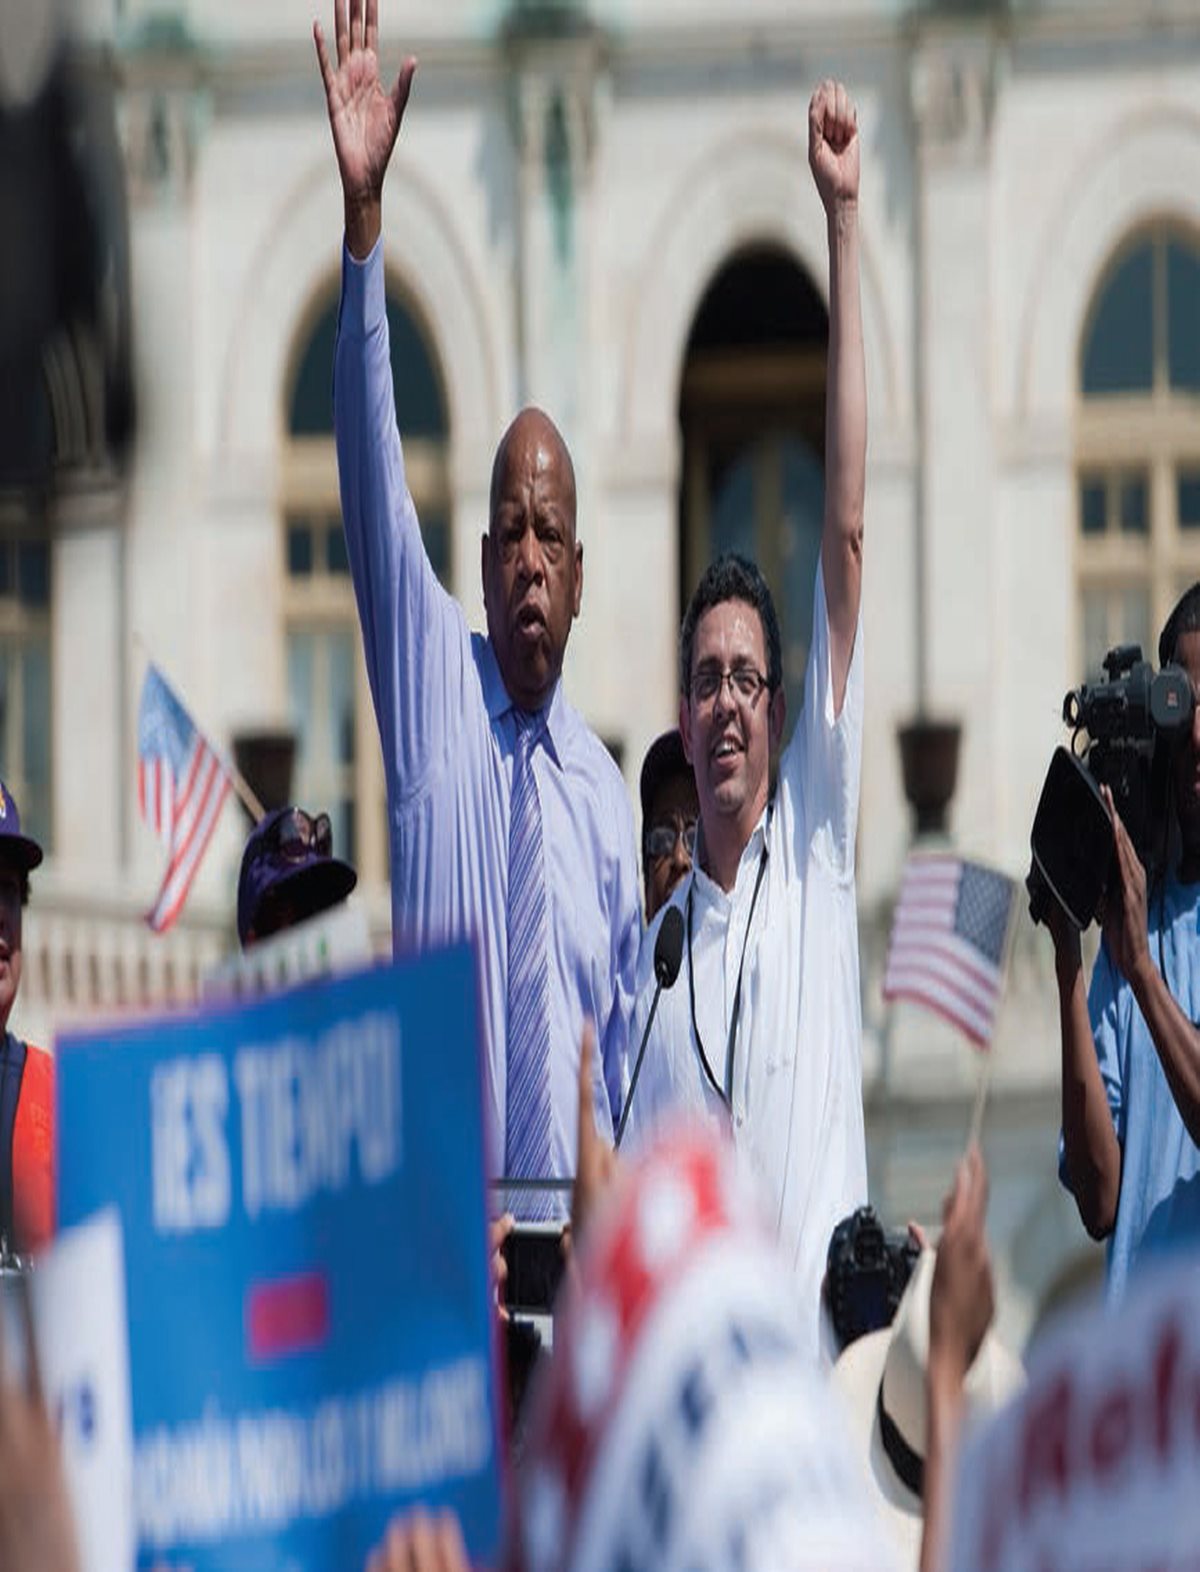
(846, 390)
(1175, 1038)
(845, 439)
(1092, 1151)
(944, 1397)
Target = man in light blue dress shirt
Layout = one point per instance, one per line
(449, 703)
(1130, 1145)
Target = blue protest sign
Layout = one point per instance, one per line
(300, 1183)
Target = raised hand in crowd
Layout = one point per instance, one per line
(364, 116)
(596, 1163)
(420, 1543)
(833, 145)
(37, 1532)
(961, 1306)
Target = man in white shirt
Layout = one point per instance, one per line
(762, 1030)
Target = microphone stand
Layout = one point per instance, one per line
(637, 1069)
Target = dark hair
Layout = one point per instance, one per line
(1184, 619)
(731, 577)
(20, 874)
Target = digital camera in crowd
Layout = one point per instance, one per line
(1123, 734)
(866, 1272)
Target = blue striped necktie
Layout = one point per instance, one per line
(527, 1129)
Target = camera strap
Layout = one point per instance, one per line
(726, 1094)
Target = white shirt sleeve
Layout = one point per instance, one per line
(821, 766)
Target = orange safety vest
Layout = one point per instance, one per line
(33, 1154)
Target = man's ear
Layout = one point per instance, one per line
(578, 600)
(685, 728)
(777, 717)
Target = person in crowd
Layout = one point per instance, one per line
(670, 810)
(509, 820)
(762, 1031)
(27, 1079)
(1130, 1149)
(288, 874)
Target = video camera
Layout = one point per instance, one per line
(1123, 732)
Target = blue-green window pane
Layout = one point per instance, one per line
(1093, 506)
(1134, 505)
(1187, 485)
(299, 551)
(420, 411)
(35, 718)
(733, 505)
(1183, 317)
(341, 694)
(1118, 356)
(311, 412)
(8, 572)
(341, 819)
(300, 694)
(33, 573)
(803, 497)
(336, 559)
(420, 408)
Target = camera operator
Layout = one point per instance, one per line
(1131, 1047)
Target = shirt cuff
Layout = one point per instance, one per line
(364, 297)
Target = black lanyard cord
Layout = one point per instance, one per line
(726, 1096)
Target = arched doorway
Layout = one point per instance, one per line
(752, 417)
(338, 766)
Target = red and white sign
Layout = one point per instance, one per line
(1096, 1466)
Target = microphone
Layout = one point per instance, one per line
(668, 956)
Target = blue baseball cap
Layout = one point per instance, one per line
(16, 850)
(288, 865)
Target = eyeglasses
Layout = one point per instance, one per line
(296, 834)
(662, 839)
(744, 683)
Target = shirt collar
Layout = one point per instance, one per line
(499, 704)
(707, 888)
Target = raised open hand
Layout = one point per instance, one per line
(833, 145)
(363, 115)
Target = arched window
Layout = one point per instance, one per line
(752, 411)
(338, 765)
(1138, 442)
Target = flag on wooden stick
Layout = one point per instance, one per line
(182, 785)
(949, 940)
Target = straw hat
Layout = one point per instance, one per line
(882, 1378)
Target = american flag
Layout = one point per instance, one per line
(181, 786)
(947, 948)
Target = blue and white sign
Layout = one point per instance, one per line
(300, 1183)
